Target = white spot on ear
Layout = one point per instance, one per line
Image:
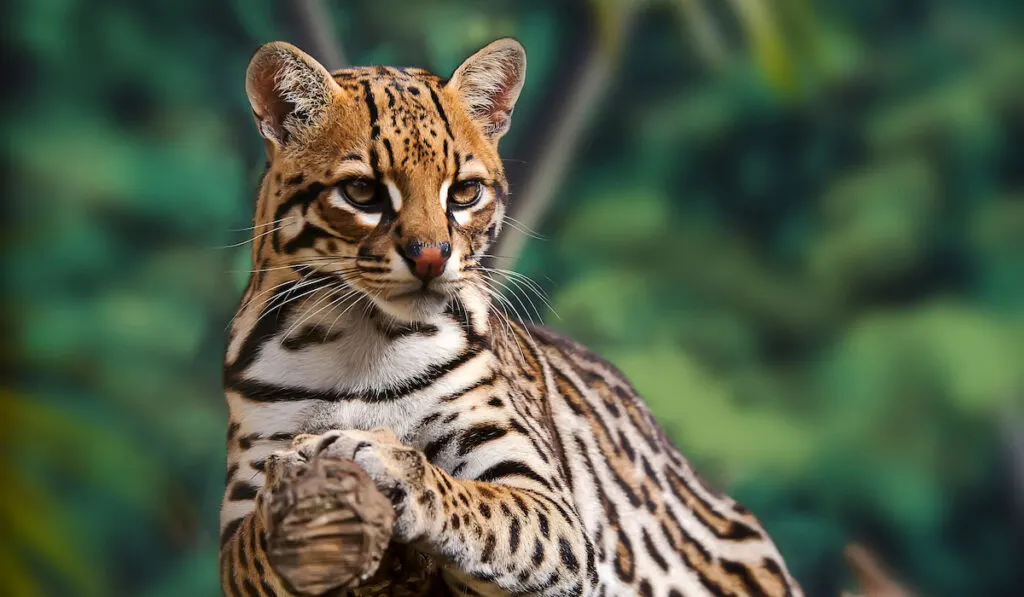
(444, 194)
(395, 194)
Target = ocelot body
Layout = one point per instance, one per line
(520, 460)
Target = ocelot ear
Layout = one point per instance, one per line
(289, 91)
(489, 82)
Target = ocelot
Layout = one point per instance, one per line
(522, 461)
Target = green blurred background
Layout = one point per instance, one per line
(798, 226)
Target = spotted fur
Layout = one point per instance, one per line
(518, 458)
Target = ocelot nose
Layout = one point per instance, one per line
(426, 259)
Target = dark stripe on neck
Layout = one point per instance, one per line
(258, 391)
(458, 311)
(309, 336)
(397, 331)
(268, 325)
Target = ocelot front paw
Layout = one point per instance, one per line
(327, 526)
(398, 471)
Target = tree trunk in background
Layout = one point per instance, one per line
(311, 22)
(1013, 433)
(584, 80)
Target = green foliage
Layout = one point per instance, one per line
(798, 227)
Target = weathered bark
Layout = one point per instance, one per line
(327, 526)
(329, 531)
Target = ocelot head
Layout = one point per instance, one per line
(385, 178)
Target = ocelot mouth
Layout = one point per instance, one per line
(414, 305)
(423, 292)
(431, 289)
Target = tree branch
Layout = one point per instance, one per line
(546, 169)
(314, 32)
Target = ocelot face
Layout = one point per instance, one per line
(388, 179)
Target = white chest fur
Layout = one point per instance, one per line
(359, 361)
(360, 358)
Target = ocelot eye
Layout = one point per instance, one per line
(363, 193)
(465, 193)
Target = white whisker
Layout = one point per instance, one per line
(245, 242)
(284, 219)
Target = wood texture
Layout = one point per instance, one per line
(328, 527)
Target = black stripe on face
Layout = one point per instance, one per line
(305, 239)
(303, 197)
(440, 112)
(372, 106)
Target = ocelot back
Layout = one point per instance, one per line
(517, 458)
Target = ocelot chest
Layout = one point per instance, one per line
(363, 373)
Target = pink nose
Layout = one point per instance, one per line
(427, 260)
